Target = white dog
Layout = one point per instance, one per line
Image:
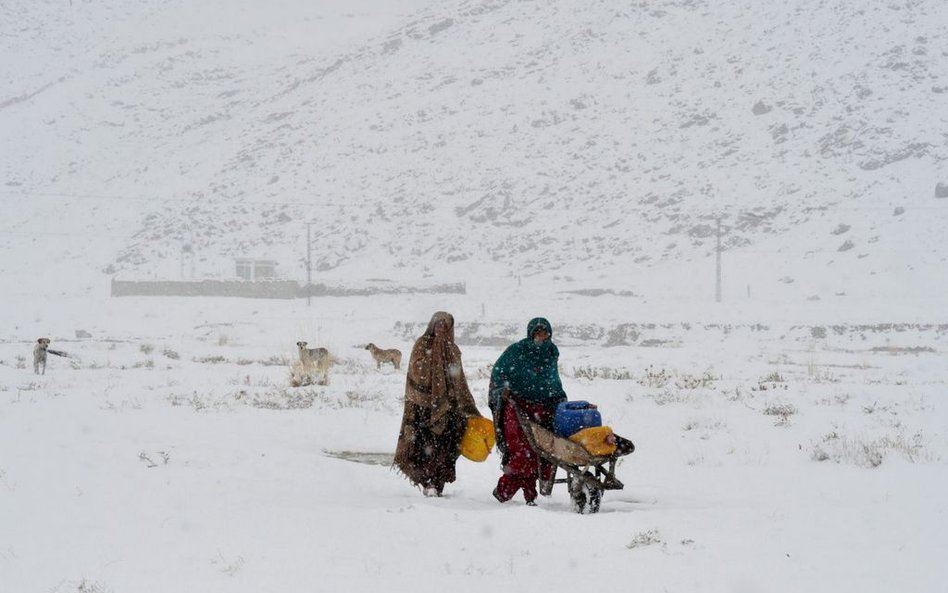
(39, 355)
(314, 358)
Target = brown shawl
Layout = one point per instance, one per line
(436, 377)
(438, 403)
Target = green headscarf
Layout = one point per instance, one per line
(529, 369)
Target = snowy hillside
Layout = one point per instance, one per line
(593, 143)
(569, 159)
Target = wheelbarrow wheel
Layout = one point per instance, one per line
(577, 494)
(593, 499)
(585, 498)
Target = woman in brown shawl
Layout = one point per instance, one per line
(437, 406)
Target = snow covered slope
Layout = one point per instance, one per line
(590, 143)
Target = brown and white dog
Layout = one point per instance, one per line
(39, 355)
(391, 355)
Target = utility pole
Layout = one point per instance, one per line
(717, 283)
(309, 265)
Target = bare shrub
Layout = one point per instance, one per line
(591, 372)
(201, 402)
(360, 399)
(212, 359)
(875, 407)
(818, 374)
(680, 391)
(735, 394)
(146, 349)
(302, 375)
(228, 567)
(645, 538)
(130, 404)
(281, 398)
(770, 382)
(653, 378)
(169, 353)
(869, 453)
(839, 399)
(691, 425)
(781, 411)
(162, 457)
(712, 424)
(249, 381)
(672, 396)
(277, 397)
(687, 381)
(83, 586)
(274, 361)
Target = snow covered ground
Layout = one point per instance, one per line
(171, 454)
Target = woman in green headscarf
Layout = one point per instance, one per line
(527, 375)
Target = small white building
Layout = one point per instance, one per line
(256, 269)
